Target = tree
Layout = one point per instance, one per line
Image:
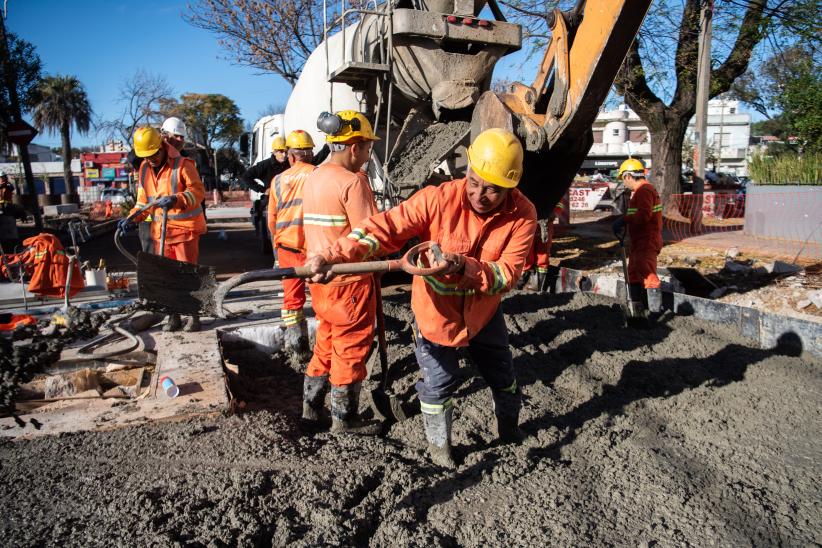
(668, 123)
(62, 103)
(801, 103)
(271, 35)
(141, 97)
(27, 67)
(209, 118)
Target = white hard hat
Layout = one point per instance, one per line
(2, 173)
(175, 126)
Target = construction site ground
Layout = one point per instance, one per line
(686, 433)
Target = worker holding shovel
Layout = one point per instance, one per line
(644, 223)
(336, 197)
(172, 183)
(485, 228)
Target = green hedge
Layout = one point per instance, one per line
(787, 169)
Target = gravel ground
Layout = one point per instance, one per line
(683, 434)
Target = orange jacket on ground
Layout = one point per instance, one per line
(177, 177)
(335, 200)
(51, 268)
(451, 309)
(285, 206)
(644, 219)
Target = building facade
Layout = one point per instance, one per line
(619, 133)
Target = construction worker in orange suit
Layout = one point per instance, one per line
(535, 271)
(643, 219)
(172, 181)
(485, 228)
(285, 224)
(6, 191)
(336, 198)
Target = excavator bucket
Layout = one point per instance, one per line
(554, 115)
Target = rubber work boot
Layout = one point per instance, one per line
(295, 339)
(654, 303)
(535, 281)
(345, 418)
(173, 323)
(192, 324)
(638, 296)
(314, 391)
(507, 404)
(438, 434)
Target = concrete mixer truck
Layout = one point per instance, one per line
(421, 70)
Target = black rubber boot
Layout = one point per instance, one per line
(314, 391)
(638, 298)
(295, 339)
(192, 324)
(438, 434)
(173, 323)
(345, 417)
(654, 303)
(506, 408)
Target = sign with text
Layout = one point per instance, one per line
(586, 198)
(92, 173)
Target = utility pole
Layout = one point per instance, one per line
(11, 85)
(703, 89)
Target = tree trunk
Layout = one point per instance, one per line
(65, 133)
(666, 151)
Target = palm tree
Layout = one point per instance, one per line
(61, 103)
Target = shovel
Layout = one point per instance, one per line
(386, 403)
(168, 285)
(211, 299)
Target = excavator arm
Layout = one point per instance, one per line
(554, 115)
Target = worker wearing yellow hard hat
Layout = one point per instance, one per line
(643, 220)
(285, 224)
(485, 227)
(336, 197)
(172, 183)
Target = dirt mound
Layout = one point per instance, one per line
(680, 434)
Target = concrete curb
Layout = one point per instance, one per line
(766, 328)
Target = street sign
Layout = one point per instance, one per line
(20, 133)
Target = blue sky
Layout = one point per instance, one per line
(105, 42)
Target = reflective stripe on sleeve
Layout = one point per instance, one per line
(317, 219)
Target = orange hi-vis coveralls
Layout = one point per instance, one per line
(186, 222)
(51, 268)
(540, 254)
(455, 310)
(336, 200)
(6, 193)
(285, 224)
(644, 221)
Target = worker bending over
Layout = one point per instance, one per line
(173, 182)
(485, 228)
(337, 198)
(643, 219)
(285, 224)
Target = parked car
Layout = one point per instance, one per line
(117, 196)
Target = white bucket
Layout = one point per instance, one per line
(96, 277)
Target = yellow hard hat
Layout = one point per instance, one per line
(299, 139)
(631, 165)
(147, 141)
(278, 143)
(346, 127)
(496, 156)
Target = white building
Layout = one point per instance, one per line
(727, 136)
(37, 153)
(620, 132)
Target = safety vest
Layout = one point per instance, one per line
(644, 218)
(178, 177)
(285, 206)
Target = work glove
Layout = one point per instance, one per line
(167, 202)
(315, 265)
(125, 225)
(619, 228)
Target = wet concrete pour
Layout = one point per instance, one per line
(684, 434)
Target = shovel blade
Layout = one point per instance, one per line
(388, 406)
(174, 286)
